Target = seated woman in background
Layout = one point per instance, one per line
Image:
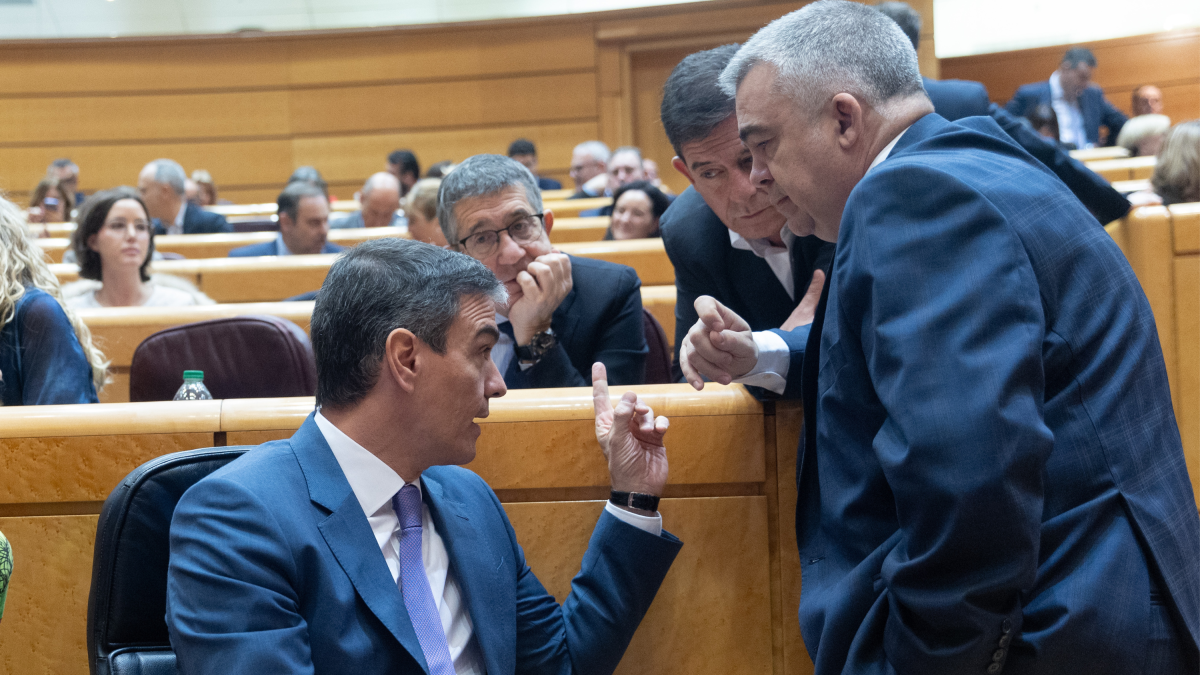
(420, 208)
(1176, 178)
(637, 207)
(49, 203)
(1044, 121)
(1143, 135)
(113, 245)
(46, 352)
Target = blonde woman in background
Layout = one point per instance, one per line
(1176, 178)
(46, 352)
(420, 208)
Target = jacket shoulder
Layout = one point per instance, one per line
(690, 229)
(254, 250)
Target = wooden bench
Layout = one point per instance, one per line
(1129, 168)
(731, 490)
(1163, 248)
(557, 195)
(570, 208)
(117, 331)
(270, 279)
(1127, 187)
(1095, 154)
(271, 208)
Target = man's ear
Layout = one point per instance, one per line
(400, 359)
(681, 167)
(848, 114)
(547, 221)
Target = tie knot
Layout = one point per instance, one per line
(407, 503)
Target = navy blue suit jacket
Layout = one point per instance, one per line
(268, 248)
(1095, 108)
(706, 263)
(990, 462)
(955, 99)
(274, 569)
(548, 184)
(599, 320)
(41, 360)
(198, 221)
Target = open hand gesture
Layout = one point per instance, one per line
(631, 438)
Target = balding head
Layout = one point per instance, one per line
(380, 199)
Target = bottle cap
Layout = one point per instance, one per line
(193, 374)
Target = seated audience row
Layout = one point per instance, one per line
(164, 193)
(379, 202)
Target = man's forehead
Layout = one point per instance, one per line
(722, 141)
(494, 207)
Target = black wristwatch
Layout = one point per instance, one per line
(634, 500)
(538, 345)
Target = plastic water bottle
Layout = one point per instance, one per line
(193, 388)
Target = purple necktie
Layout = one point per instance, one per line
(414, 585)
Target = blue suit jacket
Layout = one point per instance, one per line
(268, 248)
(706, 263)
(1095, 108)
(990, 453)
(599, 320)
(41, 360)
(198, 221)
(955, 99)
(274, 569)
(548, 184)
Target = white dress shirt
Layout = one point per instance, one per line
(1070, 116)
(779, 259)
(771, 370)
(280, 247)
(177, 226)
(374, 484)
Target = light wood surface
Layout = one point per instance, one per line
(1128, 168)
(1093, 154)
(537, 450)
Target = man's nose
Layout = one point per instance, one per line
(509, 251)
(760, 175)
(494, 386)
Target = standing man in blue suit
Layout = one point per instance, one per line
(991, 474)
(564, 313)
(1079, 104)
(303, 210)
(162, 185)
(358, 546)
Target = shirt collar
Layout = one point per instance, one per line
(280, 247)
(887, 149)
(761, 247)
(1056, 90)
(374, 482)
(179, 216)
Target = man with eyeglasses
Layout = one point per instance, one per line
(564, 313)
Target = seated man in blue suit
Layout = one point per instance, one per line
(1079, 104)
(358, 546)
(564, 313)
(163, 186)
(955, 99)
(524, 151)
(303, 224)
(991, 475)
(723, 235)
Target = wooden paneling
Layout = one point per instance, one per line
(1169, 60)
(1187, 385)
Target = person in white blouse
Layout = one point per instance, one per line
(358, 546)
(113, 246)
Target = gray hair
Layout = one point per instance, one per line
(381, 179)
(829, 47)
(376, 288)
(594, 149)
(480, 176)
(628, 148)
(169, 172)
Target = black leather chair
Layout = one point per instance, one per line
(658, 360)
(126, 625)
(241, 356)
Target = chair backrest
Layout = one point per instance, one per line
(126, 625)
(253, 356)
(658, 360)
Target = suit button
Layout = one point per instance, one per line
(998, 656)
(1005, 640)
(994, 668)
(1006, 627)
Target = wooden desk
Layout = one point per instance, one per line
(568, 208)
(1095, 154)
(731, 489)
(1129, 168)
(1127, 187)
(271, 208)
(556, 195)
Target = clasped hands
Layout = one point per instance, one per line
(631, 438)
(544, 284)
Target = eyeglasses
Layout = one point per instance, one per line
(526, 230)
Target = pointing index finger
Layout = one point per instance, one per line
(600, 399)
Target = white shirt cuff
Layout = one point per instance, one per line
(651, 524)
(774, 359)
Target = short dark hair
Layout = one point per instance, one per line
(693, 103)
(522, 146)
(289, 200)
(377, 287)
(310, 175)
(659, 201)
(407, 161)
(1078, 55)
(906, 17)
(91, 218)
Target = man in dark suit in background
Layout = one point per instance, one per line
(991, 474)
(524, 151)
(723, 235)
(955, 99)
(303, 224)
(163, 186)
(359, 546)
(1079, 104)
(404, 166)
(564, 313)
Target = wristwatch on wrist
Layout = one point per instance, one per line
(634, 500)
(538, 345)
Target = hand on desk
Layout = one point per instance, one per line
(631, 438)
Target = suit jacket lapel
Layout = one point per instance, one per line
(349, 536)
(476, 566)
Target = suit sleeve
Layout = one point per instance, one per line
(1113, 119)
(220, 224)
(54, 368)
(231, 603)
(951, 324)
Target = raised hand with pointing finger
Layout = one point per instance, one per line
(631, 438)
